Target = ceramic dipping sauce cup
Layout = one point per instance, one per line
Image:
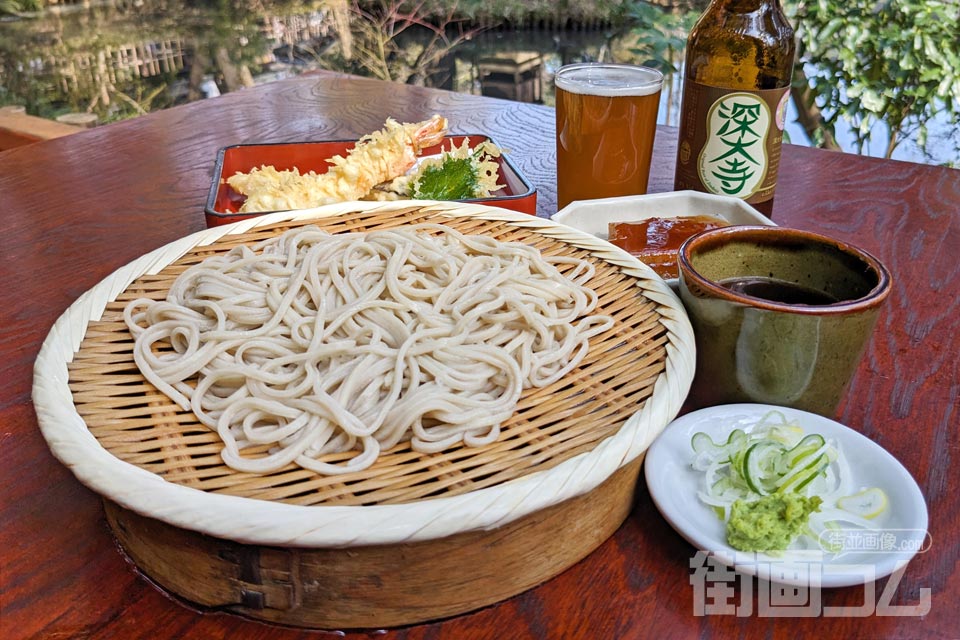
(781, 316)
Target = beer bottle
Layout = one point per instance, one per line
(739, 62)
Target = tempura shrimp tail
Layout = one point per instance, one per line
(377, 157)
(383, 155)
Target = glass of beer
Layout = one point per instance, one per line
(606, 121)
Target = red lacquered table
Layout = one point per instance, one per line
(74, 209)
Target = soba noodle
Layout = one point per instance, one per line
(311, 343)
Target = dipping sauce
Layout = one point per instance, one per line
(776, 290)
(655, 241)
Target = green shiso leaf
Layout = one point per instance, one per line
(454, 179)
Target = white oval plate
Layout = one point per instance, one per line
(673, 486)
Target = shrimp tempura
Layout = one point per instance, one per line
(378, 157)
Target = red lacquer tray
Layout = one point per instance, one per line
(223, 203)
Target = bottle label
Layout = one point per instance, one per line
(730, 141)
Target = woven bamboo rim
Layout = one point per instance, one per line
(128, 442)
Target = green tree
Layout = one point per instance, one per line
(660, 35)
(892, 61)
(401, 41)
(17, 7)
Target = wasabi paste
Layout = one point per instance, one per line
(770, 523)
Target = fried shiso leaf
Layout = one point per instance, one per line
(454, 179)
(461, 173)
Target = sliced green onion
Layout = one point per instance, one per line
(759, 466)
(775, 456)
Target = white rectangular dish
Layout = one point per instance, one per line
(593, 216)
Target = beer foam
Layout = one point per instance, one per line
(609, 80)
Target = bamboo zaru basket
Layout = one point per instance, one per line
(415, 537)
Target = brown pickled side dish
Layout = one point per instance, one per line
(655, 241)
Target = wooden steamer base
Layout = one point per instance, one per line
(376, 586)
(413, 538)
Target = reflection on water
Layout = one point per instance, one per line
(121, 58)
(126, 57)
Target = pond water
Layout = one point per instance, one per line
(121, 58)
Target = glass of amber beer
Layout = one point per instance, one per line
(606, 120)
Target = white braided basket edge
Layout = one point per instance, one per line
(274, 523)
